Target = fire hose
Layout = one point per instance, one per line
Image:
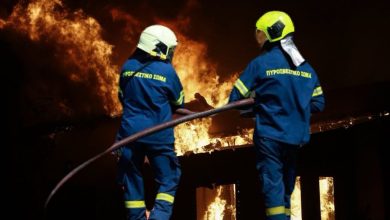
(148, 131)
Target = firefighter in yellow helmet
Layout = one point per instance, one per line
(286, 90)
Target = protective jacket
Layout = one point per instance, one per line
(148, 97)
(285, 95)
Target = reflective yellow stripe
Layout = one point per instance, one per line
(180, 100)
(165, 197)
(135, 204)
(287, 211)
(317, 91)
(275, 210)
(242, 88)
(155, 54)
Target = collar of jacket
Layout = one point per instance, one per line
(288, 47)
(144, 57)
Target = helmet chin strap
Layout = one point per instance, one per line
(159, 55)
(289, 47)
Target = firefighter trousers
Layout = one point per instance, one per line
(166, 170)
(276, 166)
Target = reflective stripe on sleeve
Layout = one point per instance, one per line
(165, 197)
(135, 204)
(180, 100)
(242, 88)
(317, 91)
(275, 210)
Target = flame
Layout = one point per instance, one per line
(216, 209)
(2, 23)
(327, 198)
(296, 207)
(192, 135)
(199, 75)
(78, 41)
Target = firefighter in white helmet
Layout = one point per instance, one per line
(150, 91)
(287, 91)
(158, 41)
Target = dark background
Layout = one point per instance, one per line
(345, 41)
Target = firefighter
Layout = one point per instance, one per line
(150, 91)
(286, 90)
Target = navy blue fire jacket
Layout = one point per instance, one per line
(148, 98)
(285, 95)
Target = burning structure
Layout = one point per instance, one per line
(67, 109)
(222, 183)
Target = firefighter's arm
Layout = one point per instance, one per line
(176, 93)
(317, 102)
(120, 91)
(234, 95)
(245, 84)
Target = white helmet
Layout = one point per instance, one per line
(158, 41)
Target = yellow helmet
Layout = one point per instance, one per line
(275, 24)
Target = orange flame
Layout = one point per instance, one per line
(327, 198)
(216, 208)
(199, 75)
(78, 38)
(2, 23)
(296, 207)
(216, 203)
